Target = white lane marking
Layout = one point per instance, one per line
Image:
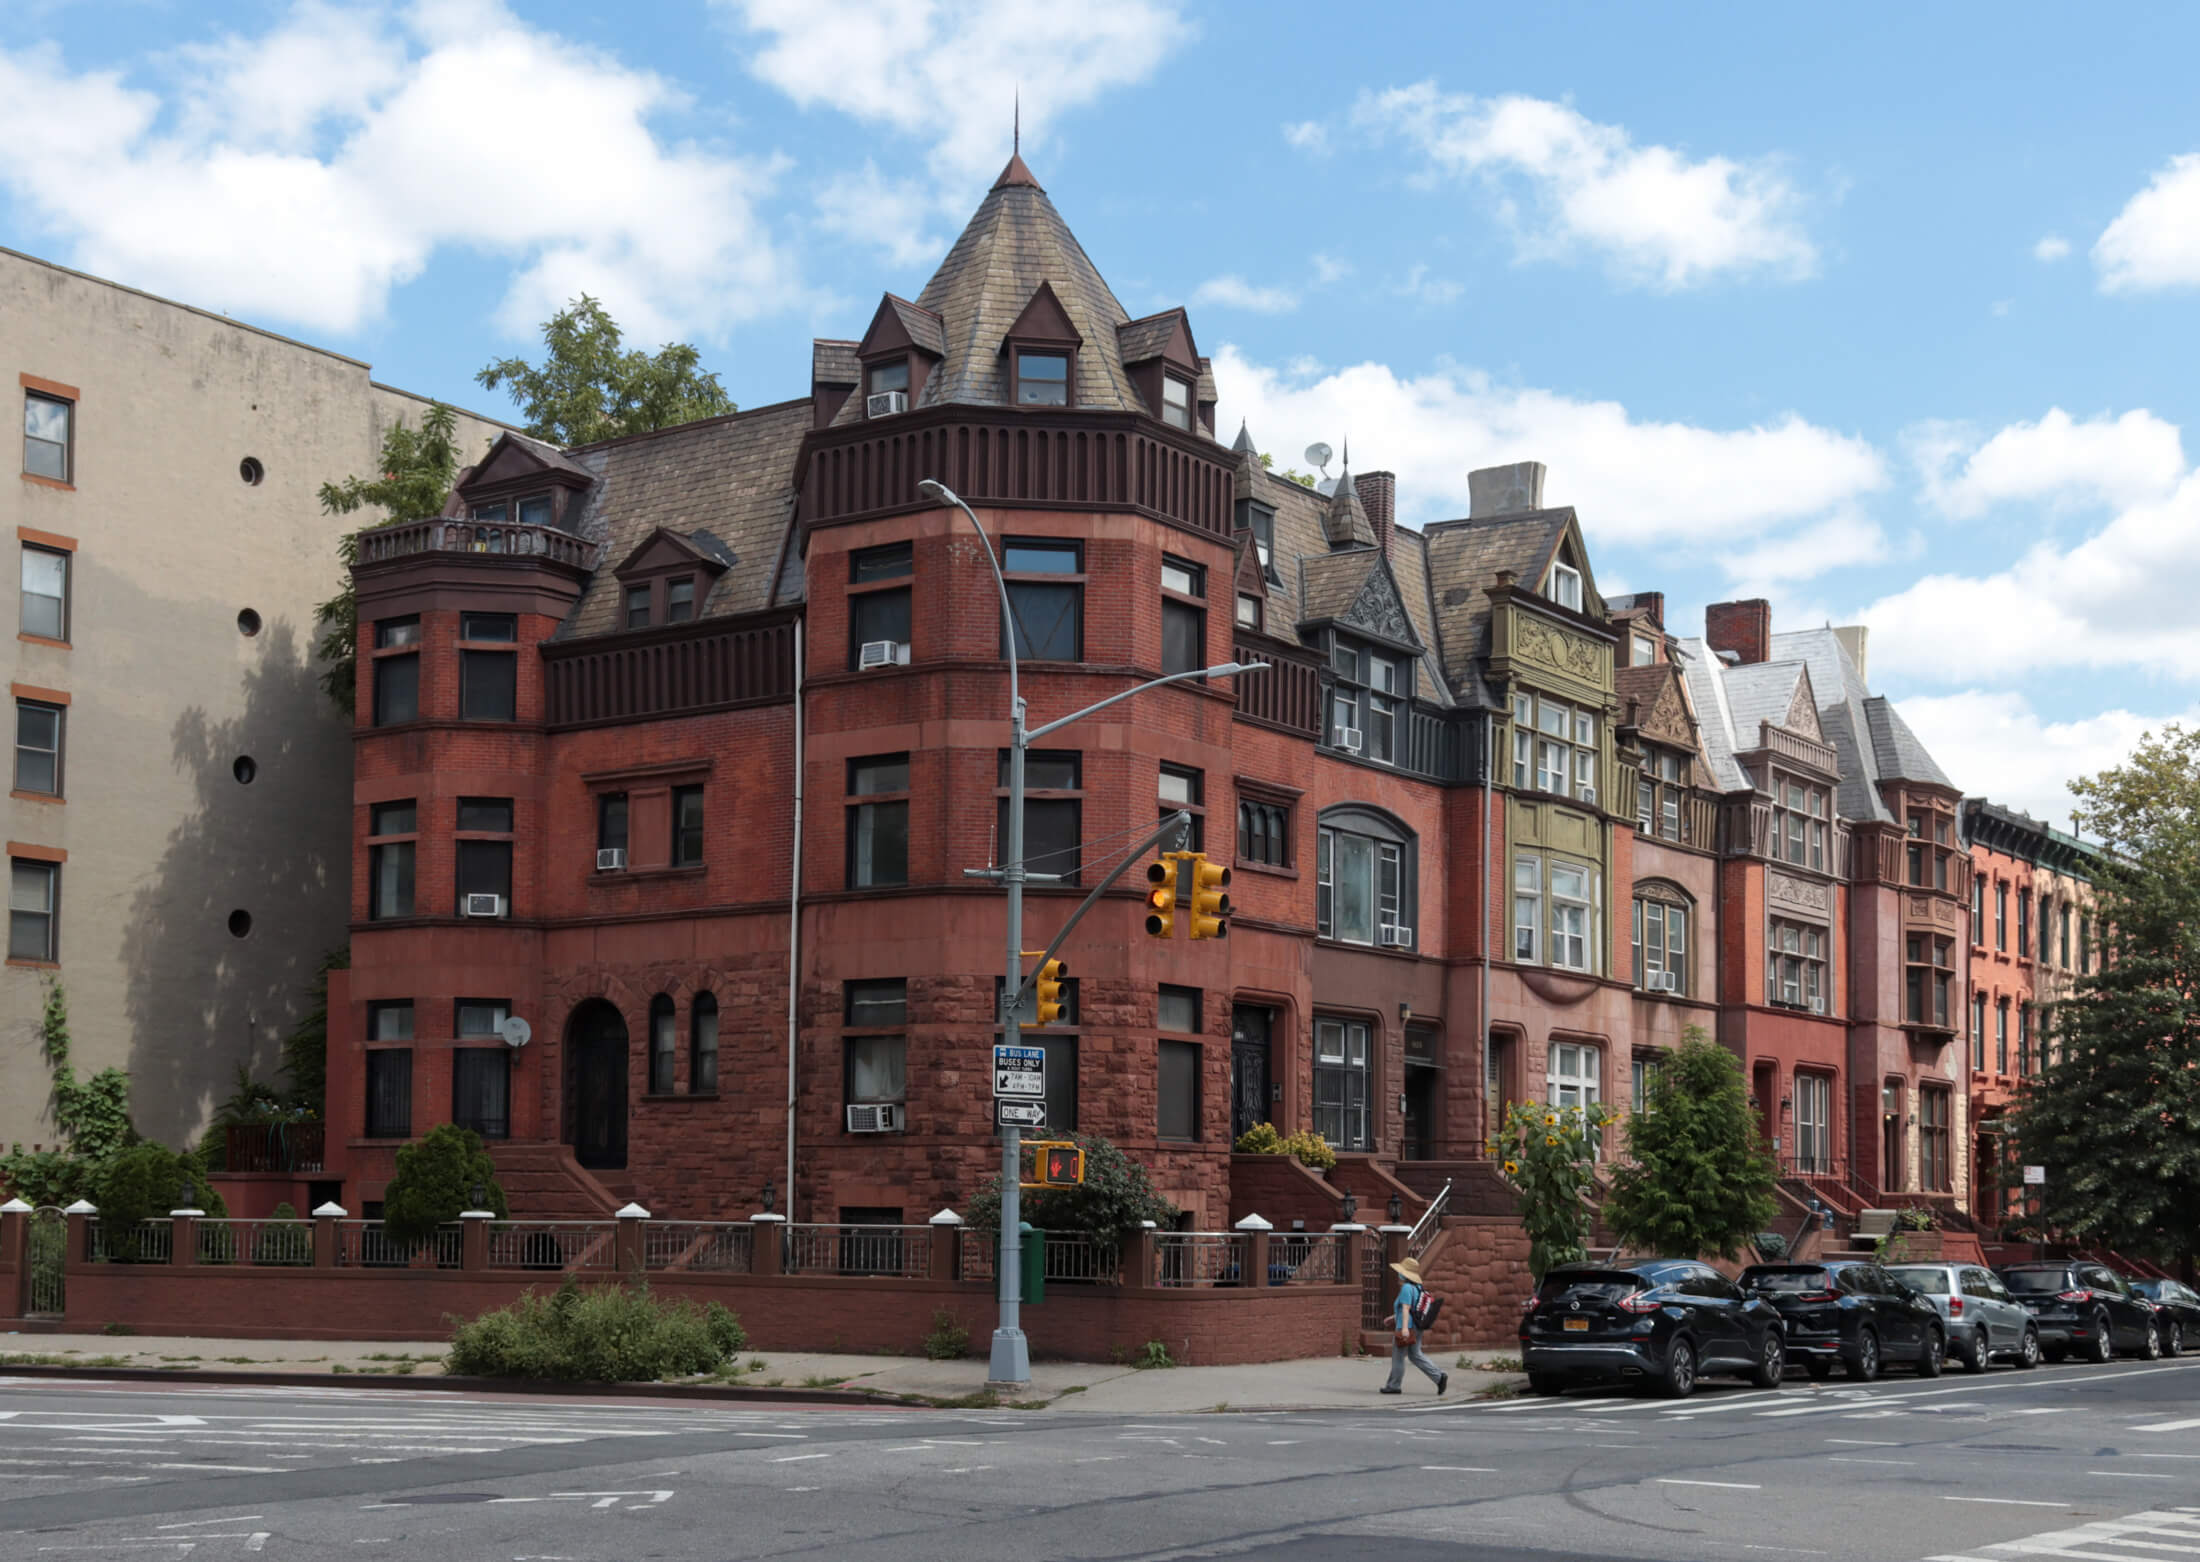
(2133, 1475)
(2009, 1502)
(238, 1469)
(1285, 1442)
(1851, 1459)
(1462, 1469)
(798, 1458)
(1728, 1485)
(798, 1436)
(973, 1469)
(236, 1518)
(2170, 1456)
(257, 1540)
(1098, 1459)
(2169, 1426)
(1728, 1402)
(1864, 1442)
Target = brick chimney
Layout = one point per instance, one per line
(1745, 628)
(1378, 493)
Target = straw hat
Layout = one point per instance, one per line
(1410, 1268)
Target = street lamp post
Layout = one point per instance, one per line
(1011, 1353)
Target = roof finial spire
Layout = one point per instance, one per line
(1016, 126)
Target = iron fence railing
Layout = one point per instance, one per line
(1371, 1288)
(273, 1147)
(1431, 1221)
(147, 1242)
(364, 1244)
(1315, 1259)
(553, 1245)
(1076, 1256)
(699, 1247)
(902, 1251)
(268, 1244)
(1190, 1258)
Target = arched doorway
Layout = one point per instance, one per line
(595, 1085)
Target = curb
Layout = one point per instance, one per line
(871, 1398)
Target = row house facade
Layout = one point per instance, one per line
(679, 748)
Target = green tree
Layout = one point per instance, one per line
(588, 387)
(418, 467)
(1550, 1161)
(435, 1180)
(1700, 1176)
(2115, 1116)
(143, 1183)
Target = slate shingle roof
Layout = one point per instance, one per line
(834, 362)
(1144, 338)
(925, 328)
(1463, 560)
(1874, 742)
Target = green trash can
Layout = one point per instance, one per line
(1032, 1254)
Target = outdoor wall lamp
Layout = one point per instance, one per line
(1351, 1208)
(1397, 1209)
(1405, 1010)
(481, 1193)
(770, 1193)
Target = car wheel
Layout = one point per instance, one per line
(1680, 1371)
(1933, 1355)
(2103, 1347)
(1771, 1362)
(2150, 1343)
(1544, 1383)
(1863, 1362)
(1819, 1370)
(1980, 1354)
(2028, 1354)
(2174, 1344)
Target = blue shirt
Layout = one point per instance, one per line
(1408, 1294)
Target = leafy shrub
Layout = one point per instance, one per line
(285, 1240)
(607, 1334)
(949, 1340)
(142, 1183)
(1260, 1139)
(1115, 1197)
(1309, 1149)
(1155, 1355)
(434, 1181)
(1770, 1244)
(1917, 1217)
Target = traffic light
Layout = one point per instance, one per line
(1161, 898)
(1048, 985)
(1209, 905)
(1050, 1163)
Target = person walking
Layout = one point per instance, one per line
(1405, 1339)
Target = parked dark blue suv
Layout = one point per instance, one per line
(1852, 1312)
(1661, 1322)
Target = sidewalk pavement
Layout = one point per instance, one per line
(1325, 1383)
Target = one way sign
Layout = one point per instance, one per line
(1020, 1073)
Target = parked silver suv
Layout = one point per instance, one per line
(1984, 1320)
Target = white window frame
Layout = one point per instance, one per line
(1528, 910)
(1573, 918)
(1555, 747)
(1385, 883)
(1574, 1076)
(1813, 1122)
(1342, 1049)
(1563, 586)
(1667, 950)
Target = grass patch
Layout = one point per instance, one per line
(240, 1361)
(1488, 1364)
(949, 1339)
(822, 1380)
(118, 1328)
(71, 1359)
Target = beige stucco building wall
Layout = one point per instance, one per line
(166, 693)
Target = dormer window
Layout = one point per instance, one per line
(534, 510)
(893, 376)
(1248, 611)
(1042, 379)
(1564, 586)
(680, 600)
(1176, 403)
(886, 387)
(1645, 651)
(637, 607)
(492, 513)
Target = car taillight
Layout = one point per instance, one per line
(2073, 1296)
(1640, 1302)
(1527, 1307)
(1955, 1306)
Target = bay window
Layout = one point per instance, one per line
(1928, 978)
(1661, 946)
(1368, 700)
(1658, 793)
(1799, 824)
(1795, 966)
(1363, 882)
(1554, 747)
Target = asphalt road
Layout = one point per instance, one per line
(2084, 1462)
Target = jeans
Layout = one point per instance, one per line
(1401, 1354)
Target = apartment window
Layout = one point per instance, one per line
(1264, 831)
(1042, 379)
(637, 607)
(38, 748)
(2085, 946)
(1576, 1076)
(390, 1020)
(2047, 928)
(389, 1093)
(1658, 788)
(47, 422)
(1260, 520)
(663, 1045)
(2001, 917)
(1795, 966)
(1176, 402)
(1661, 946)
(1061, 1065)
(687, 827)
(1934, 1120)
(1046, 598)
(2024, 924)
(1799, 824)
(484, 853)
(34, 893)
(703, 1045)
(1528, 910)
(1183, 617)
(1929, 978)
(1341, 1083)
(45, 593)
(2001, 1037)
(1978, 1032)
(396, 676)
(1813, 1123)
(1053, 811)
(1554, 747)
(680, 600)
(1177, 1009)
(611, 821)
(1248, 611)
(1642, 1075)
(1645, 651)
(1978, 909)
(534, 510)
(878, 825)
(1368, 699)
(1573, 916)
(393, 832)
(1184, 790)
(1364, 880)
(481, 1076)
(875, 1052)
(488, 681)
(878, 598)
(1564, 586)
(2024, 1038)
(1177, 1105)
(893, 375)
(2063, 938)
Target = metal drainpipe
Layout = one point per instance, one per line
(1489, 766)
(794, 926)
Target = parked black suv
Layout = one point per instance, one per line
(1853, 1312)
(2084, 1307)
(2177, 1312)
(1661, 1321)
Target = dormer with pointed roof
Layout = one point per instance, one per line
(1346, 523)
(523, 481)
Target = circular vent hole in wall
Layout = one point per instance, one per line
(251, 471)
(240, 923)
(248, 623)
(245, 769)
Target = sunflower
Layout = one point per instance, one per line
(1550, 1139)
(1550, 1120)
(1512, 1168)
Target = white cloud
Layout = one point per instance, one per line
(893, 215)
(2052, 248)
(1234, 292)
(1308, 135)
(1996, 745)
(1842, 540)
(1328, 269)
(1659, 217)
(305, 172)
(946, 71)
(1635, 481)
(1425, 289)
(2155, 240)
(2106, 460)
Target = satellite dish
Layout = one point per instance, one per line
(1318, 454)
(515, 1031)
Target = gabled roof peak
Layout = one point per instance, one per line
(1016, 173)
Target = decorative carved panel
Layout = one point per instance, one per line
(1556, 649)
(1791, 893)
(1377, 610)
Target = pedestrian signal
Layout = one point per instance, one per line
(1050, 1163)
(1161, 897)
(1210, 906)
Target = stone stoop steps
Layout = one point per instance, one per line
(542, 1181)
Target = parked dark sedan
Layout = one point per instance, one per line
(1662, 1322)
(2176, 1310)
(1853, 1312)
(2085, 1308)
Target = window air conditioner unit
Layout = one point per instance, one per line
(885, 404)
(882, 653)
(1348, 739)
(610, 859)
(884, 1119)
(1818, 1006)
(485, 905)
(1398, 937)
(1669, 981)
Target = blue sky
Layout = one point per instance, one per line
(1889, 319)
